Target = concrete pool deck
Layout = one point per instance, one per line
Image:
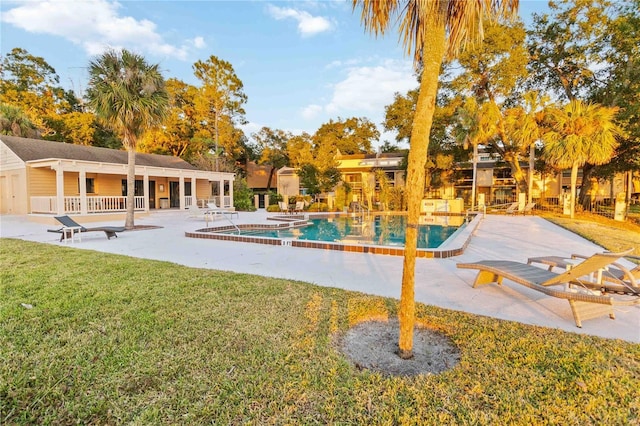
(438, 281)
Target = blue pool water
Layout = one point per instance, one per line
(375, 230)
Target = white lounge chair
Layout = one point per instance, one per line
(284, 207)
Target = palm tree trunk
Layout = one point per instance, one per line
(433, 52)
(131, 187)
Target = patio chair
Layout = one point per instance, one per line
(299, 208)
(195, 211)
(70, 226)
(284, 207)
(528, 208)
(575, 284)
(214, 211)
(512, 209)
(615, 278)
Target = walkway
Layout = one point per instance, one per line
(438, 281)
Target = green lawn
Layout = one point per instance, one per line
(112, 339)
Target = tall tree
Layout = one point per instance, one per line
(272, 145)
(429, 30)
(129, 95)
(349, 136)
(581, 133)
(180, 131)
(587, 50)
(221, 103)
(30, 83)
(300, 150)
(491, 72)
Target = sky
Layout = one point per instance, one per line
(302, 63)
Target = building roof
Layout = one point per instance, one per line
(37, 149)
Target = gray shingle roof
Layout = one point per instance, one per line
(36, 149)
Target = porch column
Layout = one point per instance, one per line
(231, 192)
(194, 197)
(181, 189)
(60, 189)
(145, 191)
(83, 191)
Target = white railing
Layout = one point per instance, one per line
(95, 204)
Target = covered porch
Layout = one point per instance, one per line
(84, 188)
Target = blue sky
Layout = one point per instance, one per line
(302, 63)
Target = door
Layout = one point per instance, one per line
(174, 194)
(152, 194)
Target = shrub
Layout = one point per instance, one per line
(242, 196)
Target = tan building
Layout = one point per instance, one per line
(39, 177)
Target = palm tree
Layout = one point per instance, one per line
(430, 29)
(14, 121)
(129, 95)
(580, 133)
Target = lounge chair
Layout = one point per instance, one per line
(575, 284)
(195, 211)
(70, 227)
(214, 211)
(528, 208)
(615, 278)
(512, 209)
(284, 207)
(299, 207)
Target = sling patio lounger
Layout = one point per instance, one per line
(70, 227)
(575, 285)
(615, 278)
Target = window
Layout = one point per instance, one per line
(91, 185)
(139, 188)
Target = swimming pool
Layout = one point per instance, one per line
(372, 230)
(361, 237)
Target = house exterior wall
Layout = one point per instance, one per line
(13, 191)
(13, 182)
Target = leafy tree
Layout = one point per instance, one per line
(30, 83)
(430, 30)
(129, 95)
(300, 150)
(317, 181)
(621, 85)
(588, 50)
(490, 73)
(242, 195)
(580, 133)
(398, 115)
(74, 127)
(220, 104)
(566, 45)
(350, 136)
(272, 145)
(177, 136)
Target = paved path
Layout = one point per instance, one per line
(438, 281)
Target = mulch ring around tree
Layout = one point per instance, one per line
(373, 345)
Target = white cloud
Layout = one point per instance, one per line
(370, 88)
(199, 42)
(94, 24)
(311, 111)
(308, 24)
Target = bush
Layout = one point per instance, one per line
(273, 208)
(243, 196)
(318, 207)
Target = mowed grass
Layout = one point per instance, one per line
(112, 339)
